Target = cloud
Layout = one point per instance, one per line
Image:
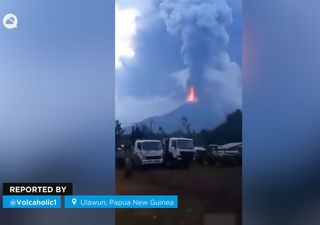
(235, 32)
(145, 7)
(225, 85)
(181, 77)
(141, 108)
(125, 30)
(157, 55)
(201, 27)
(158, 73)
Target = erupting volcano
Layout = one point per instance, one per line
(192, 96)
(201, 27)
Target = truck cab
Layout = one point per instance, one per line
(147, 152)
(178, 151)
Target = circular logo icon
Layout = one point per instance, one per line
(12, 203)
(10, 21)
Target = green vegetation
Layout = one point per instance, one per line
(229, 131)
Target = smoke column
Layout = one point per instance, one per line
(201, 26)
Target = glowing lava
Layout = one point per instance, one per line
(192, 96)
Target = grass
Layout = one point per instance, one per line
(202, 190)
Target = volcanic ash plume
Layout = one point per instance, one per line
(200, 24)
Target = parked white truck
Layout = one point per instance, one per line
(178, 151)
(147, 152)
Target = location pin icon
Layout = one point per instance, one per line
(74, 201)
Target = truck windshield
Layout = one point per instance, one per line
(151, 145)
(185, 144)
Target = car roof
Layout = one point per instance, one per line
(199, 148)
(148, 141)
(230, 145)
(177, 138)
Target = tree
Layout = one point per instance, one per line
(151, 125)
(136, 133)
(230, 131)
(118, 132)
(161, 133)
(186, 125)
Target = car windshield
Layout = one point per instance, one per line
(185, 144)
(151, 145)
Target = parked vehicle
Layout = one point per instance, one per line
(201, 154)
(228, 154)
(147, 152)
(178, 151)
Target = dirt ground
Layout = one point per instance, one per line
(206, 194)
